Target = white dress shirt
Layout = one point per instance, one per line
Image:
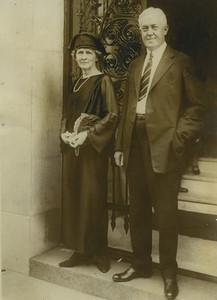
(156, 54)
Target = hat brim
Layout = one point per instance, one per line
(86, 40)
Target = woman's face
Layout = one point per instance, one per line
(86, 58)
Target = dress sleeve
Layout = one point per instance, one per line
(102, 133)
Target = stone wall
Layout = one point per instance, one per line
(31, 78)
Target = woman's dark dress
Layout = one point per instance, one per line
(84, 211)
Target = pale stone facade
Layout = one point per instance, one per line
(31, 79)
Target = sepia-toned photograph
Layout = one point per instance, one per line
(108, 152)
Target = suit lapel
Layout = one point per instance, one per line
(164, 64)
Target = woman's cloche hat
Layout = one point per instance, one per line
(86, 40)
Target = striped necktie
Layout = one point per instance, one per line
(145, 79)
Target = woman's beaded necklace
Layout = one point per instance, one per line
(76, 89)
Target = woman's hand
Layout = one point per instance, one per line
(78, 139)
(66, 137)
(119, 158)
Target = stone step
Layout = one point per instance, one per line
(88, 280)
(194, 254)
(196, 203)
(202, 177)
(208, 165)
(194, 196)
(202, 188)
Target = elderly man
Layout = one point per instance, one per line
(162, 113)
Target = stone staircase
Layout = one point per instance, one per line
(198, 207)
(202, 188)
(89, 280)
(197, 257)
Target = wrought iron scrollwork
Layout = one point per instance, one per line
(122, 42)
(120, 35)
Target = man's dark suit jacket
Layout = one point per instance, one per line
(174, 110)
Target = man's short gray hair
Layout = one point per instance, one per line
(153, 11)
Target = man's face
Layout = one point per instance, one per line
(153, 31)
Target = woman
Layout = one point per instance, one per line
(85, 156)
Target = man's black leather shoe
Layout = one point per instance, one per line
(170, 288)
(130, 274)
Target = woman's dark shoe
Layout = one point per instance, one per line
(195, 169)
(102, 263)
(75, 260)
